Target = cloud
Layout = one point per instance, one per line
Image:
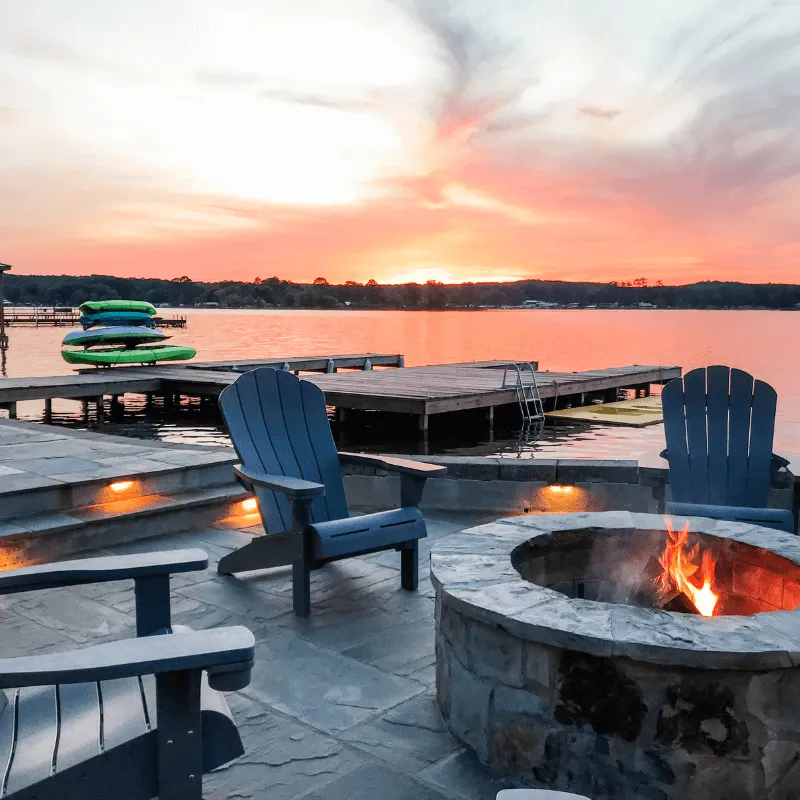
(319, 100)
(599, 113)
(220, 78)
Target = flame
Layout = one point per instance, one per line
(680, 568)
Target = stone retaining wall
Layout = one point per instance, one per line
(531, 485)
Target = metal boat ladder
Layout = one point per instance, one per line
(521, 376)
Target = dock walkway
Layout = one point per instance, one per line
(420, 391)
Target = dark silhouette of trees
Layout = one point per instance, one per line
(274, 292)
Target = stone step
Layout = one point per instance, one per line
(44, 537)
(40, 495)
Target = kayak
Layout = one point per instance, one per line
(95, 306)
(117, 318)
(144, 354)
(127, 335)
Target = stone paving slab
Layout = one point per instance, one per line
(81, 455)
(341, 705)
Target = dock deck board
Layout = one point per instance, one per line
(424, 391)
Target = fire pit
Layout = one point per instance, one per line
(604, 655)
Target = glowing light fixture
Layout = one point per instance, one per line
(251, 504)
(121, 486)
(561, 489)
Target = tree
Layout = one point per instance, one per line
(182, 279)
(372, 282)
(321, 282)
(351, 283)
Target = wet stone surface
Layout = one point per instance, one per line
(341, 705)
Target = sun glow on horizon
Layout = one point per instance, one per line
(422, 275)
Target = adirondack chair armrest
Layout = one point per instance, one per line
(401, 465)
(779, 463)
(293, 488)
(225, 653)
(413, 474)
(137, 566)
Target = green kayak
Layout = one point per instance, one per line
(129, 335)
(109, 356)
(97, 306)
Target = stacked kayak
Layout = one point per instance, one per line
(120, 332)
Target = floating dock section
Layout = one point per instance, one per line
(367, 382)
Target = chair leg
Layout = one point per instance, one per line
(264, 552)
(301, 587)
(179, 736)
(409, 566)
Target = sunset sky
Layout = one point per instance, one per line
(401, 139)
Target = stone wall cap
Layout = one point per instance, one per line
(472, 572)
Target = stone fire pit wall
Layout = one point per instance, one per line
(609, 700)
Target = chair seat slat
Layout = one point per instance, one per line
(80, 724)
(37, 733)
(8, 727)
(123, 711)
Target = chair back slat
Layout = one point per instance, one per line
(719, 425)
(279, 425)
(327, 458)
(241, 408)
(762, 432)
(740, 404)
(672, 401)
(718, 391)
(292, 431)
(694, 391)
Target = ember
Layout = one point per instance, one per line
(681, 571)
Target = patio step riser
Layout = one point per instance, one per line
(68, 497)
(67, 540)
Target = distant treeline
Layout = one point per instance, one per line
(65, 290)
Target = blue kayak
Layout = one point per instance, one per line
(127, 335)
(139, 318)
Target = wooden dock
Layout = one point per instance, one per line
(420, 391)
(66, 318)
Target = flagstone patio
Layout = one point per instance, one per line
(341, 706)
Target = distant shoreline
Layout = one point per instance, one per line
(276, 293)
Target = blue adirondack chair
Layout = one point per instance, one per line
(719, 426)
(279, 427)
(133, 719)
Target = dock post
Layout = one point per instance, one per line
(101, 409)
(286, 367)
(401, 362)
(423, 424)
(12, 410)
(48, 410)
(330, 367)
(367, 365)
(85, 404)
(148, 401)
(117, 406)
(490, 419)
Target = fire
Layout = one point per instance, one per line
(680, 571)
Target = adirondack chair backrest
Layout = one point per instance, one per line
(719, 425)
(279, 425)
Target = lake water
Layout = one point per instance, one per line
(765, 343)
